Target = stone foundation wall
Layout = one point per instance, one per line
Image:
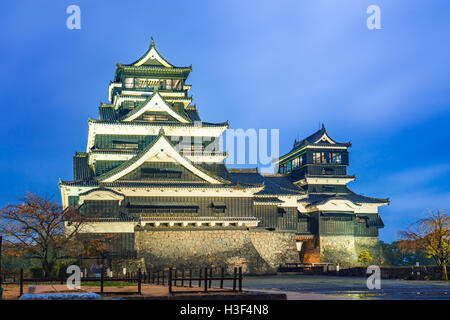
(373, 245)
(338, 250)
(276, 248)
(256, 251)
(345, 250)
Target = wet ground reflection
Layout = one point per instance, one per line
(352, 287)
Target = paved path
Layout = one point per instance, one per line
(299, 287)
(148, 291)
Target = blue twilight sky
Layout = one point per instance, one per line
(259, 64)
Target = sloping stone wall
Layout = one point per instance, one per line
(373, 245)
(276, 248)
(257, 251)
(338, 250)
(345, 250)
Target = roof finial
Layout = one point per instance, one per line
(323, 126)
(152, 44)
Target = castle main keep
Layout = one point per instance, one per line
(152, 175)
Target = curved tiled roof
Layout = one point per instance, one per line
(143, 185)
(319, 198)
(316, 135)
(273, 185)
(191, 124)
(81, 169)
(107, 113)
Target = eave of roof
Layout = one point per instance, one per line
(154, 185)
(159, 124)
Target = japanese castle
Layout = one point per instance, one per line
(152, 174)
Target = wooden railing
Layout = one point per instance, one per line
(202, 280)
(136, 277)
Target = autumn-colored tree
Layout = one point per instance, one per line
(430, 235)
(364, 257)
(35, 227)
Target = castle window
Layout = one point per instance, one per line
(295, 163)
(281, 212)
(173, 207)
(317, 157)
(326, 157)
(153, 83)
(336, 158)
(129, 82)
(168, 84)
(140, 83)
(155, 173)
(162, 85)
(153, 117)
(288, 166)
(218, 207)
(124, 145)
(177, 84)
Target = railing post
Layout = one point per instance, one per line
(190, 278)
(240, 279)
(157, 277)
(206, 280)
(170, 280)
(21, 283)
(182, 278)
(153, 277)
(200, 278)
(222, 271)
(234, 279)
(102, 278)
(162, 276)
(139, 280)
(176, 277)
(210, 277)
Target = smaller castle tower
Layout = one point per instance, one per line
(343, 223)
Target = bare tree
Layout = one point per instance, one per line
(430, 235)
(35, 226)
